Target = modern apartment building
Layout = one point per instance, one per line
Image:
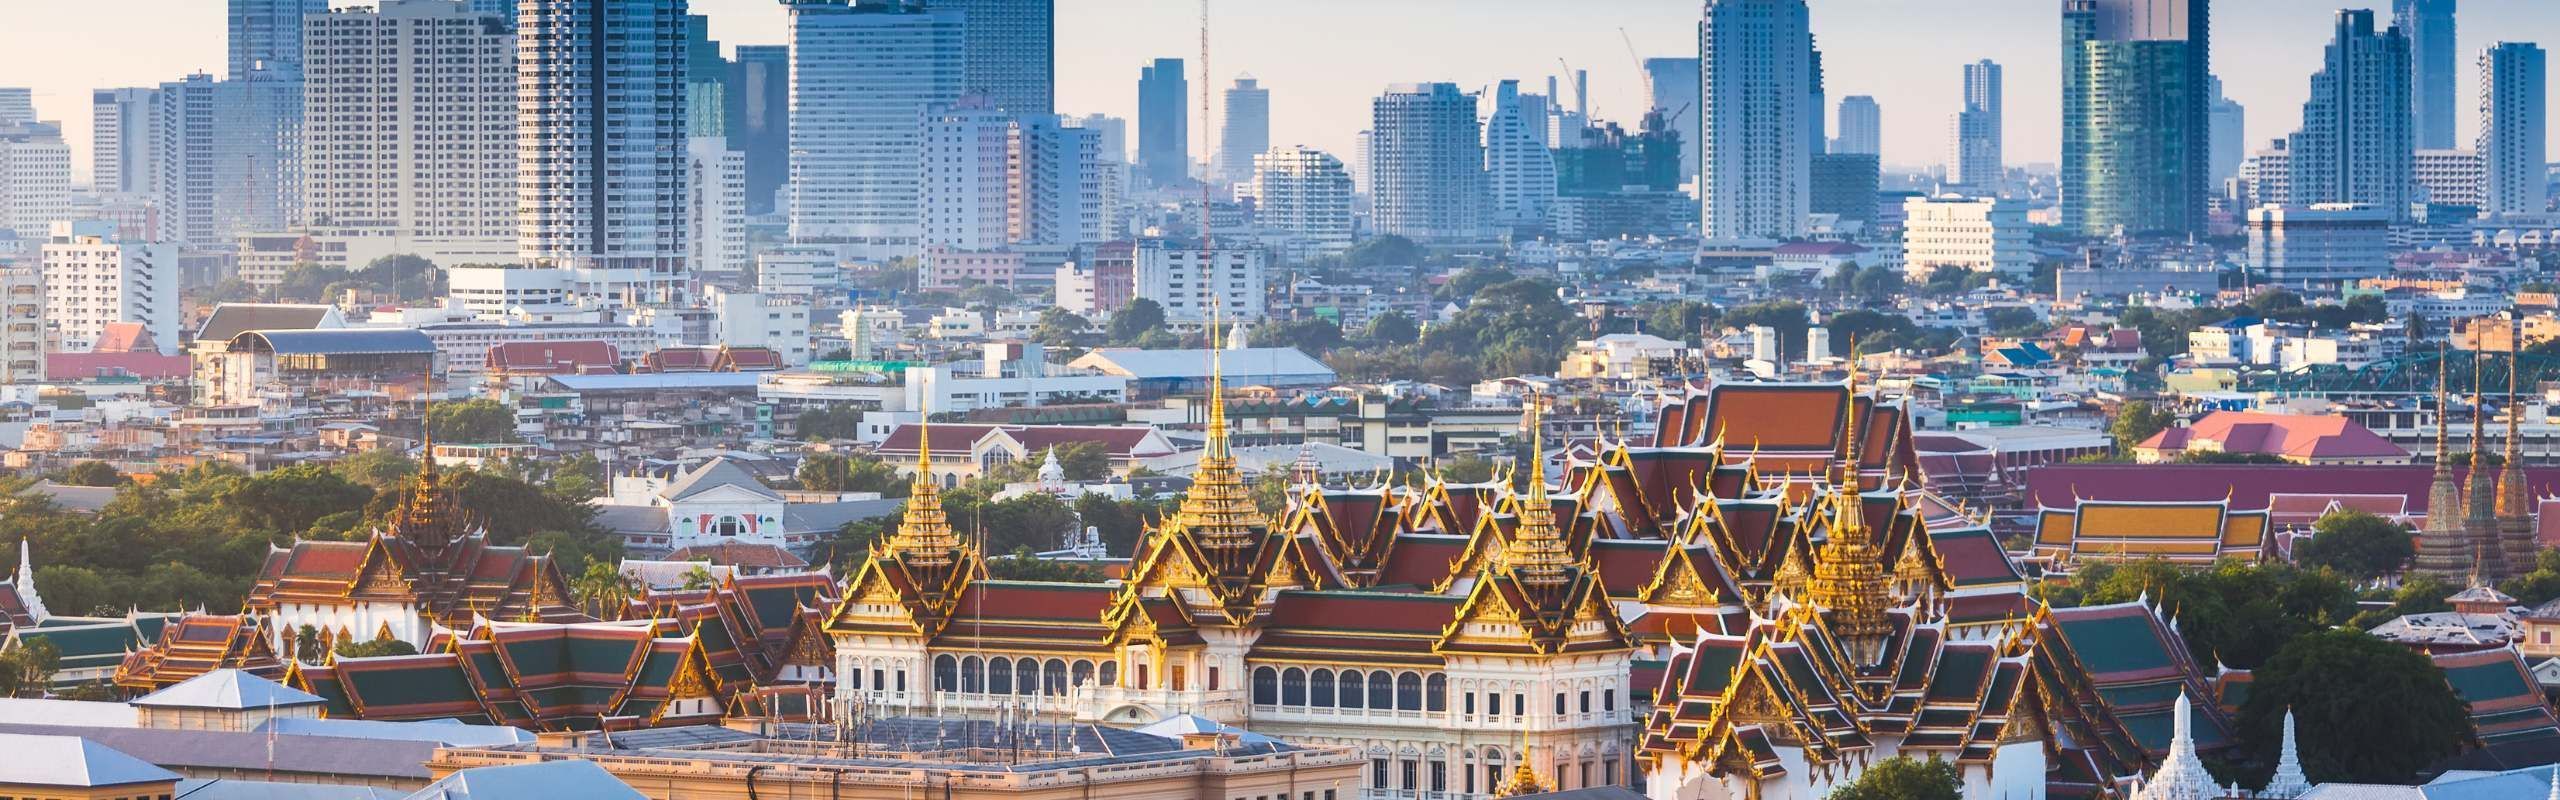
(1981, 234)
(600, 98)
(2355, 143)
(1426, 163)
(409, 131)
(1164, 123)
(1302, 202)
(1756, 119)
(1010, 53)
(863, 78)
(1245, 129)
(2318, 245)
(92, 278)
(2513, 127)
(2135, 116)
(1519, 170)
(1190, 282)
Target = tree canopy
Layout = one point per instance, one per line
(2366, 710)
(2356, 544)
(479, 420)
(1904, 778)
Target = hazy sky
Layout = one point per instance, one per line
(1324, 59)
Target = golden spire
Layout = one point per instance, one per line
(1536, 551)
(924, 537)
(1849, 578)
(2478, 399)
(1218, 511)
(2444, 411)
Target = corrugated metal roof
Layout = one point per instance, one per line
(69, 761)
(345, 341)
(232, 319)
(242, 750)
(230, 690)
(657, 381)
(548, 779)
(1248, 365)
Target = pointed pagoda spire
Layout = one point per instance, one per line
(924, 537)
(1849, 577)
(2480, 497)
(2289, 782)
(2442, 549)
(1218, 512)
(1536, 552)
(2182, 774)
(24, 583)
(2515, 499)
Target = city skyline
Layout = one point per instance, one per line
(1322, 101)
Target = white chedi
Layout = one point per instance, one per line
(2289, 782)
(2182, 775)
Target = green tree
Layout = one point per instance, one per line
(602, 590)
(1904, 778)
(375, 648)
(2235, 613)
(2331, 680)
(479, 420)
(1384, 251)
(93, 473)
(1391, 328)
(825, 424)
(2356, 544)
(835, 472)
(2137, 422)
(289, 500)
(379, 469)
(1022, 565)
(1311, 336)
(2539, 585)
(698, 578)
(1466, 284)
(1060, 327)
(1466, 469)
(1679, 320)
(1085, 461)
(1140, 317)
(577, 551)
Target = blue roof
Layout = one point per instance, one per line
(450, 733)
(343, 341)
(548, 779)
(1249, 365)
(657, 381)
(229, 690)
(72, 761)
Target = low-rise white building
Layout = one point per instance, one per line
(1010, 374)
(1188, 281)
(1982, 234)
(2318, 245)
(754, 319)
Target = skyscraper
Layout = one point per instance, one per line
(2429, 26)
(1164, 123)
(706, 81)
(967, 147)
(223, 167)
(1976, 162)
(601, 146)
(1245, 131)
(862, 79)
(1426, 163)
(2512, 128)
(266, 35)
(1520, 172)
(124, 151)
(1675, 91)
(759, 119)
(1756, 81)
(2354, 145)
(1011, 51)
(35, 178)
(2135, 121)
(1861, 126)
(409, 141)
(2229, 134)
(1302, 201)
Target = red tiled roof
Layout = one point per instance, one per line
(146, 365)
(2289, 435)
(2250, 486)
(552, 357)
(124, 337)
(741, 554)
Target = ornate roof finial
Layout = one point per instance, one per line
(1849, 577)
(1536, 551)
(924, 537)
(1218, 511)
(2289, 782)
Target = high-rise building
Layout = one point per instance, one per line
(1426, 163)
(1675, 91)
(2430, 27)
(1861, 126)
(22, 334)
(2135, 116)
(1757, 80)
(2267, 177)
(123, 153)
(17, 105)
(1164, 123)
(93, 278)
(1245, 130)
(266, 35)
(600, 98)
(1302, 201)
(1520, 172)
(715, 207)
(1111, 146)
(2355, 144)
(1844, 185)
(1977, 160)
(35, 178)
(2450, 178)
(1010, 51)
(2512, 128)
(409, 139)
(758, 104)
(1061, 181)
(862, 79)
(2229, 123)
(968, 161)
(224, 166)
(706, 81)
(502, 9)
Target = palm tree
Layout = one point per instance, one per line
(600, 588)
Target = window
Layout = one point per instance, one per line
(1378, 773)
(1608, 699)
(1320, 691)
(1142, 677)
(1609, 770)
(1354, 689)
(1469, 707)
(1026, 677)
(1439, 776)
(1053, 678)
(1213, 686)
(1435, 693)
(972, 675)
(1586, 701)
(1293, 687)
(1266, 686)
(999, 675)
(1408, 692)
(1080, 674)
(1519, 704)
(1382, 691)
(1175, 680)
(1111, 673)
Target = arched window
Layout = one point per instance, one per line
(1408, 692)
(1026, 677)
(1053, 678)
(1320, 688)
(728, 526)
(1081, 673)
(1354, 690)
(973, 675)
(1266, 686)
(1293, 687)
(1382, 691)
(1435, 692)
(1111, 673)
(999, 675)
(946, 673)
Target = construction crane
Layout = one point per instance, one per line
(1669, 115)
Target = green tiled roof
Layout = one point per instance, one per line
(2116, 644)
